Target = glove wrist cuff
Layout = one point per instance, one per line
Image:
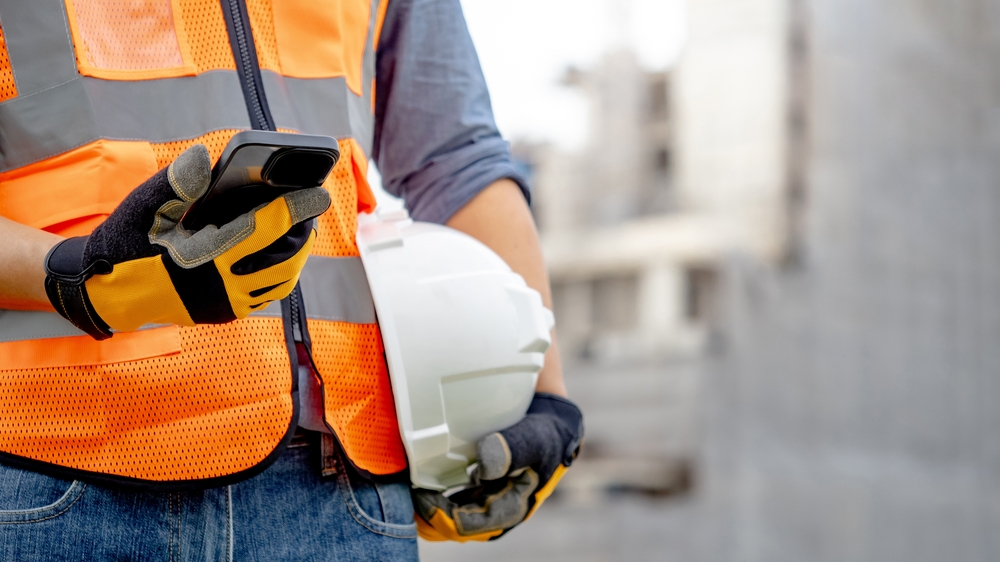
(65, 279)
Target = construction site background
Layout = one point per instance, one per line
(776, 274)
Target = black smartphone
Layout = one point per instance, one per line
(258, 166)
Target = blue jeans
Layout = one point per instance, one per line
(289, 512)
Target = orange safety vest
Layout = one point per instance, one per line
(95, 96)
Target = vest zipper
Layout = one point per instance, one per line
(245, 55)
(296, 318)
(248, 69)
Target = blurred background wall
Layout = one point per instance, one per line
(775, 257)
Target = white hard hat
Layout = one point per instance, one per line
(464, 338)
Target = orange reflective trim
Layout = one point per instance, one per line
(217, 405)
(322, 38)
(125, 40)
(83, 350)
(8, 88)
(15, 303)
(358, 397)
(55, 193)
(383, 7)
(366, 198)
(77, 227)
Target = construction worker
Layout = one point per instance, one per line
(156, 399)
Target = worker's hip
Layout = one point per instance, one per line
(289, 512)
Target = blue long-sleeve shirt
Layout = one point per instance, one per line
(436, 142)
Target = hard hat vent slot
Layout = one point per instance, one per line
(534, 320)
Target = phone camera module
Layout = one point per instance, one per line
(298, 168)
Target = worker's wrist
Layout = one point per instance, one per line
(22, 282)
(550, 378)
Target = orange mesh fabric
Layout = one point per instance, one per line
(48, 193)
(215, 142)
(126, 39)
(8, 89)
(322, 38)
(339, 223)
(205, 33)
(359, 403)
(219, 406)
(262, 24)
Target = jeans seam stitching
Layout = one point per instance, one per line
(229, 524)
(49, 507)
(394, 530)
(54, 515)
(179, 543)
(387, 529)
(170, 525)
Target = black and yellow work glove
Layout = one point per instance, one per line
(140, 267)
(519, 468)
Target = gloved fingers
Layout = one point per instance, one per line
(279, 251)
(305, 204)
(168, 193)
(246, 234)
(242, 236)
(494, 457)
(151, 209)
(252, 291)
(191, 173)
(481, 520)
(187, 178)
(532, 442)
(272, 221)
(547, 437)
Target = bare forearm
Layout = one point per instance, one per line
(499, 217)
(22, 272)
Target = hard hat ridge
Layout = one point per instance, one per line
(464, 338)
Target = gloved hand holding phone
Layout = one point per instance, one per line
(140, 267)
(519, 468)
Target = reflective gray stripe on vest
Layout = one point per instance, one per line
(16, 325)
(57, 110)
(38, 43)
(85, 109)
(317, 106)
(334, 289)
(320, 106)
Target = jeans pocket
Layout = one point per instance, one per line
(383, 508)
(29, 497)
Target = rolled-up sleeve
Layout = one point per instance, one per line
(436, 142)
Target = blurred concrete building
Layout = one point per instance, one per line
(630, 273)
(836, 163)
(679, 170)
(619, 247)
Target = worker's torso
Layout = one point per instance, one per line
(95, 96)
